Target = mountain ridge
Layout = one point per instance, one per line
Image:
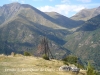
(65, 21)
(20, 8)
(86, 14)
(23, 30)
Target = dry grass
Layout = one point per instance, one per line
(21, 65)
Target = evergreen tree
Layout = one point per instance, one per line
(91, 70)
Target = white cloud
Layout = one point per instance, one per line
(21, 1)
(84, 1)
(62, 9)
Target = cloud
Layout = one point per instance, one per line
(21, 1)
(62, 9)
(85, 1)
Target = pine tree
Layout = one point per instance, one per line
(91, 70)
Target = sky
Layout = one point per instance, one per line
(67, 8)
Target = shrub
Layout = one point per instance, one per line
(45, 57)
(71, 59)
(91, 70)
(27, 54)
(79, 65)
(66, 63)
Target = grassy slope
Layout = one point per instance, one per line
(21, 65)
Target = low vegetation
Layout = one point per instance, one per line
(27, 54)
(22, 65)
(91, 70)
(45, 57)
(73, 60)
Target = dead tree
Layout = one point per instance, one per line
(43, 48)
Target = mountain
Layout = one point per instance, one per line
(23, 27)
(86, 14)
(85, 42)
(64, 21)
(91, 24)
(16, 10)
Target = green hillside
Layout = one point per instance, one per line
(85, 42)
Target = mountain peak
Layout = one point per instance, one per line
(86, 14)
(12, 8)
(12, 4)
(16, 4)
